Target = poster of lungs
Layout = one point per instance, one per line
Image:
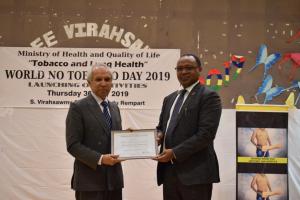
(261, 152)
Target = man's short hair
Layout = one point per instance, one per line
(197, 59)
(90, 71)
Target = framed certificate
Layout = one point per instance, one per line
(136, 144)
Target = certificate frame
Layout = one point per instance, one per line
(134, 144)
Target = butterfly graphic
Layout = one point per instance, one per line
(267, 88)
(263, 58)
(295, 84)
(291, 99)
(295, 58)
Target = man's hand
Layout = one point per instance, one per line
(109, 159)
(166, 156)
(130, 129)
(159, 137)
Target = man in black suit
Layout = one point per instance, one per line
(97, 174)
(187, 164)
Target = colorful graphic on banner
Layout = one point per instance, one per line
(53, 77)
(262, 152)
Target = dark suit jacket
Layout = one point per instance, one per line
(87, 138)
(192, 139)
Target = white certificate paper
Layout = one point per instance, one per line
(134, 144)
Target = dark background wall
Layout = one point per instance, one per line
(214, 30)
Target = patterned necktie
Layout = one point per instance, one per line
(106, 114)
(174, 117)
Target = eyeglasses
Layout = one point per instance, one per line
(187, 68)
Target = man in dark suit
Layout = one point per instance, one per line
(187, 164)
(97, 174)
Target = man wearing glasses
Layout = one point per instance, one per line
(187, 163)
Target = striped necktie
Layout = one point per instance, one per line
(106, 114)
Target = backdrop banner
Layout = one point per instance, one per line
(53, 77)
(262, 152)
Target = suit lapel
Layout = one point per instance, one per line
(197, 89)
(170, 103)
(113, 112)
(95, 109)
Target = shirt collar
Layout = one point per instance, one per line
(189, 89)
(98, 99)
